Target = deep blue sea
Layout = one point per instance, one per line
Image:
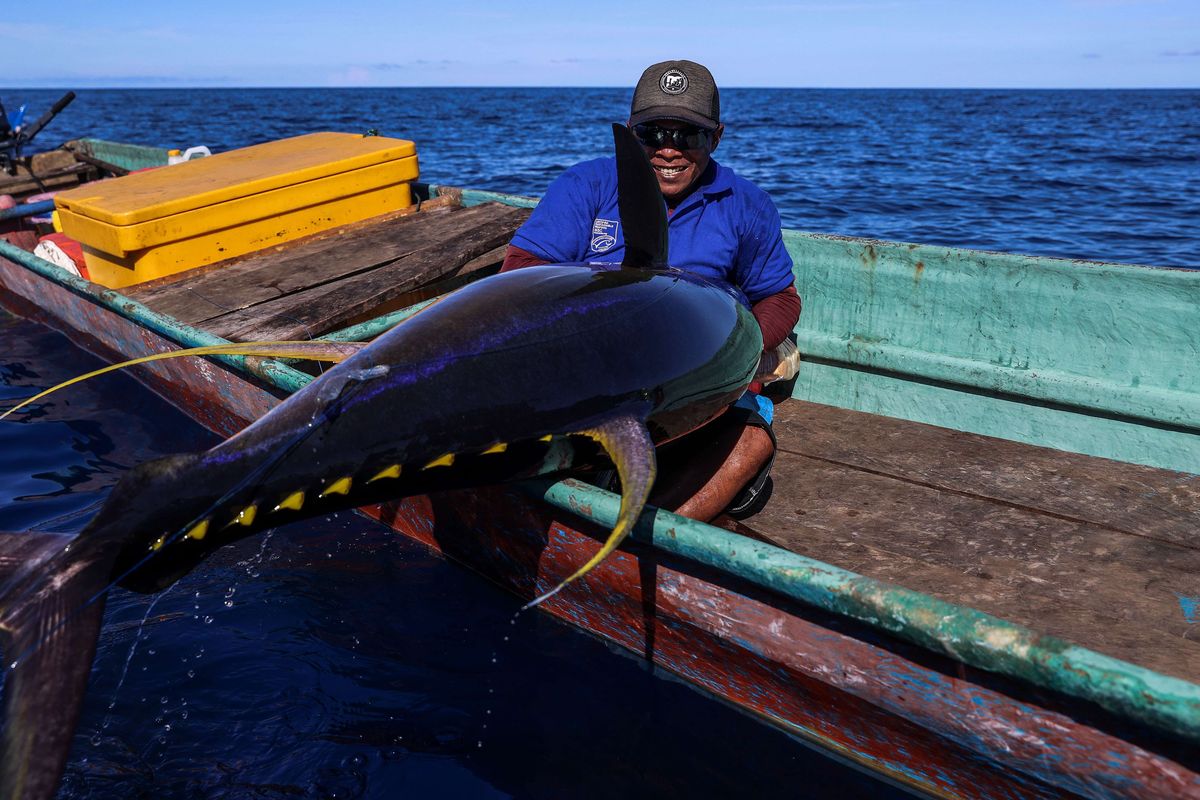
(1101, 175)
(332, 659)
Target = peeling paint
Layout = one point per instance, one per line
(1190, 607)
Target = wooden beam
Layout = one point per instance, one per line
(436, 252)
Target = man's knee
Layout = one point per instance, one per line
(750, 470)
(756, 445)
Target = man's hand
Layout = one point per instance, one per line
(780, 364)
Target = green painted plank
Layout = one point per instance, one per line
(1012, 418)
(273, 372)
(474, 197)
(129, 156)
(1083, 356)
(959, 632)
(373, 327)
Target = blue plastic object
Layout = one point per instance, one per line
(17, 118)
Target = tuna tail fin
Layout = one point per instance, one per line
(640, 203)
(51, 606)
(629, 445)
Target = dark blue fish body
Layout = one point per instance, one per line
(497, 366)
(524, 373)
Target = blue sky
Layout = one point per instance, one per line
(857, 43)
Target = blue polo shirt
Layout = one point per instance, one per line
(727, 229)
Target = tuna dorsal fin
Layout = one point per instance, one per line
(628, 444)
(51, 605)
(643, 212)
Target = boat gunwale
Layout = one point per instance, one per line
(962, 633)
(274, 372)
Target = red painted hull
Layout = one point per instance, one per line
(913, 717)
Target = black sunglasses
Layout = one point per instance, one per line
(689, 138)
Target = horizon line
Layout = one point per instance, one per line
(166, 85)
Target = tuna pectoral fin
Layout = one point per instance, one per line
(629, 446)
(49, 629)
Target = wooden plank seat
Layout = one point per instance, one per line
(1102, 553)
(321, 283)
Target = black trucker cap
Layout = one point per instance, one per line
(682, 90)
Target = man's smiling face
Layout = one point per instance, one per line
(678, 167)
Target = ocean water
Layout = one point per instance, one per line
(332, 659)
(1101, 175)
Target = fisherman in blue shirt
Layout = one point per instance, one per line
(720, 226)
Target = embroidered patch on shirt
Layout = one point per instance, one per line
(604, 235)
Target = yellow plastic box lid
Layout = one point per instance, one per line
(129, 213)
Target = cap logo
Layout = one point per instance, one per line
(673, 82)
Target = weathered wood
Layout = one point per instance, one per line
(43, 172)
(443, 250)
(481, 267)
(825, 681)
(1033, 535)
(113, 169)
(275, 274)
(156, 289)
(492, 258)
(1126, 497)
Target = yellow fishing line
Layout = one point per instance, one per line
(313, 350)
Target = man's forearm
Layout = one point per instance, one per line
(777, 315)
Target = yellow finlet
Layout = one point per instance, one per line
(158, 543)
(441, 461)
(341, 486)
(390, 472)
(498, 447)
(294, 501)
(199, 531)
(246, 516)
(546, 438)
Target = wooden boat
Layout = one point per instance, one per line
(978, 575)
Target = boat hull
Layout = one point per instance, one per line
(919, 720)
(215, 397)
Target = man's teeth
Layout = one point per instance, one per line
(670, 171)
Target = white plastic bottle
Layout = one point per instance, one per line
(177, 157)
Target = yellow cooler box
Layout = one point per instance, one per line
(155, 223)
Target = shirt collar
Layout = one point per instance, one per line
(716, 180)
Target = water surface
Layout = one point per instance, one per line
(1109, 175)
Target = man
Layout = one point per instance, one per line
(720, 226)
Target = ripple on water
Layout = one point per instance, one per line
(517, 140)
